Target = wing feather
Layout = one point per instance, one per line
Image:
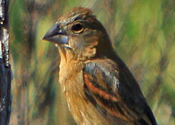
(102, 86)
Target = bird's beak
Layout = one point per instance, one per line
(56, 35)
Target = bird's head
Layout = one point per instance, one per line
(80, 33)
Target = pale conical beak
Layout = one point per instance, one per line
(56, 35)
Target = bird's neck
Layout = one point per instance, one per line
(69, 65)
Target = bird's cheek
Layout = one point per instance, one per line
(75, 43)
(89, 52)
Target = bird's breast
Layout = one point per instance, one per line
(72, 84)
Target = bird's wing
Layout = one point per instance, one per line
(112, 95)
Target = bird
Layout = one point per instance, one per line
(97, 84)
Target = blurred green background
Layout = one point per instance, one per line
(142, 32)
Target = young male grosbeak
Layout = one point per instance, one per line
(99, 88)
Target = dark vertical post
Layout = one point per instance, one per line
(5, 69)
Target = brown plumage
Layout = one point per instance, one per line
(99, 88)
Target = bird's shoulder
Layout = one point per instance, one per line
(106, 66)
(102, 73)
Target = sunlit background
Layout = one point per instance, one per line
(142, 32)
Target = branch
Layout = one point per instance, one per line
(5, 69)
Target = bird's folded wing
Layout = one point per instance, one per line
(102, 87)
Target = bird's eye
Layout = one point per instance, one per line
(77, 28)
